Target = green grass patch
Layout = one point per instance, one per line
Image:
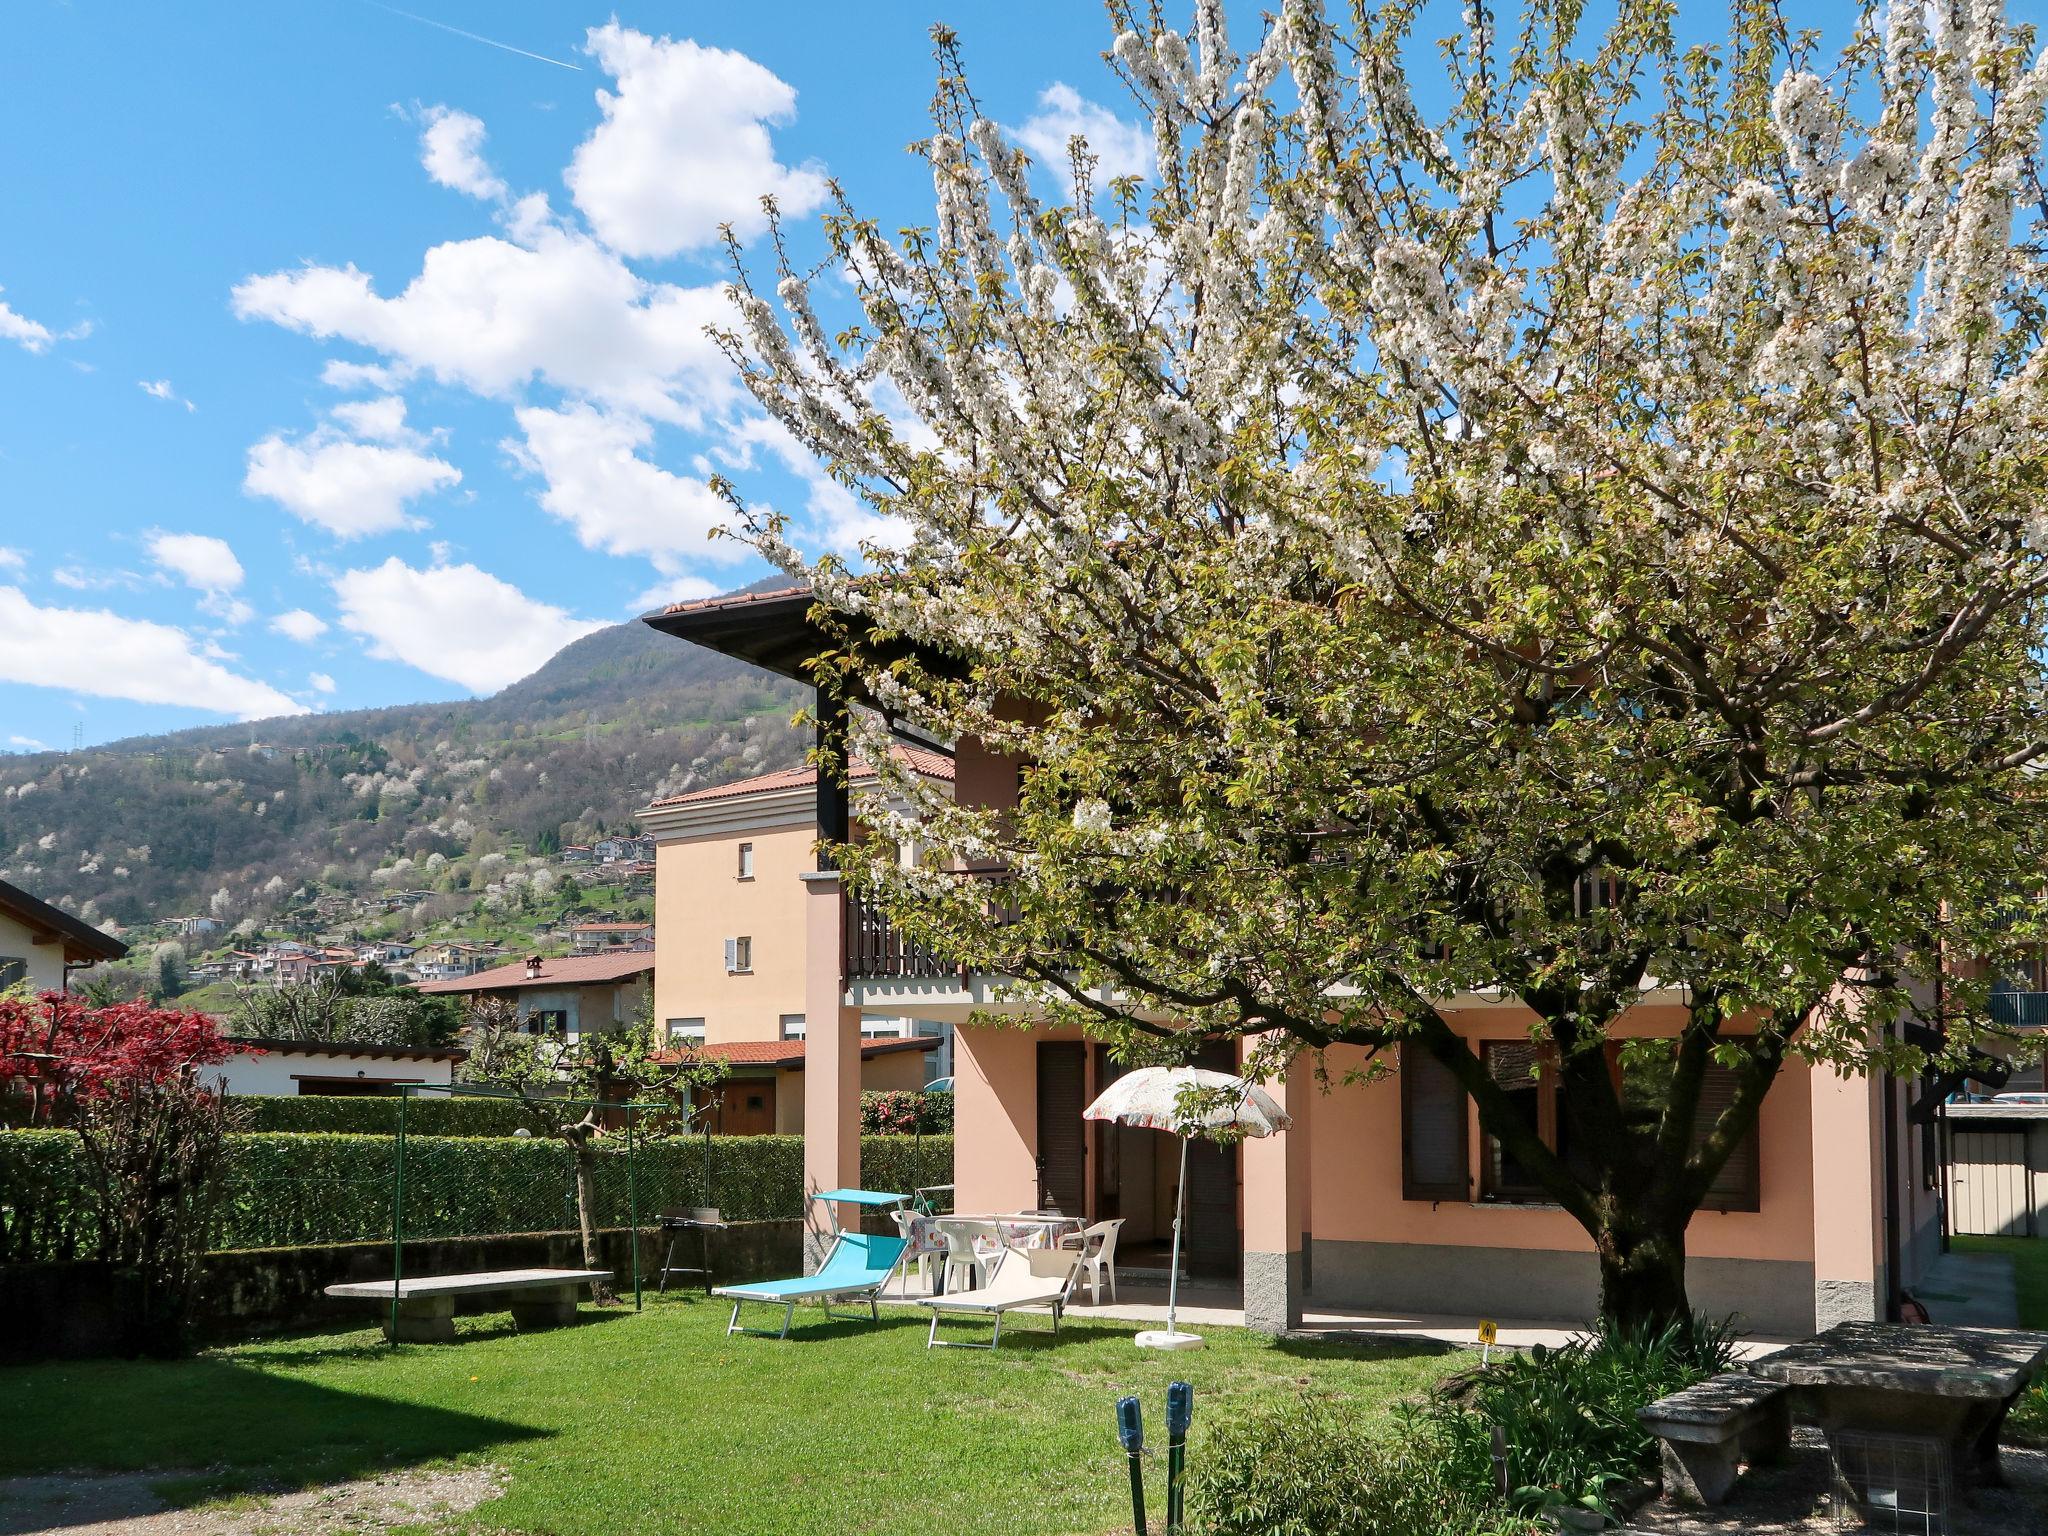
(655, 1422)
(2029, 1257)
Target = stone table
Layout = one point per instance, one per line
(1956, 1384)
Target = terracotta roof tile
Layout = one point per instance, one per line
(933, 765)
(737, 600)
(558, 971)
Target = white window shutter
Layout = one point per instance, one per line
(732, 955)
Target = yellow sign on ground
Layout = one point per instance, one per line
(1488, 1333)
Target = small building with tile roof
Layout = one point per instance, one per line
(566, 995)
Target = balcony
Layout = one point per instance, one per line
(2020, 1010)
(872, 948)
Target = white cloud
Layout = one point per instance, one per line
(320, 682)
(202, 562)
(18, 328)
(382, 419)
(451, 149)
(93, 651)
(683, 589)
(160, 389)
(344, 375)
(11, 559)
(454, 621)
(350, 487)
(684, 146)
(299, 625)
(1120, 148)
(28, 743)
(490, 315)
(617, 501)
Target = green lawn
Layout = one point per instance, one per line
(630, 1425)
(2029, 1257)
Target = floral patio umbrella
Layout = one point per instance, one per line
(1189, 1102)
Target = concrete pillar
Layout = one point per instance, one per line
(1276, 1210)
(1848, 1198)
(831, 1065)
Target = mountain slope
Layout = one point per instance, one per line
(260, 822)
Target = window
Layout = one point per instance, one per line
(792, 1026)
(1738, 1186)
(746, 869)
(1435, 1162)
(548, 1021)
(13, 971)
(739, 956)
(686, 1029)
(1521, 1069)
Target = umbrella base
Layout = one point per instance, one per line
(1156, 1338)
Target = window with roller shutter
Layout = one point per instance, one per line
(1435, 1158)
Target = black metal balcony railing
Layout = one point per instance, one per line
(871, 946)
(2024, 1010)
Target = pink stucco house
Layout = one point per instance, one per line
(1384, 1196)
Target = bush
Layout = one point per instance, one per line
(301, 1188)
(900, 1112)
(425, 1115)
(1569, 1413)
(1308, 1469)
(47, 1208)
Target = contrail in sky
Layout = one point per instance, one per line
(428, 21)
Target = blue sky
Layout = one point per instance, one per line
(347, 360)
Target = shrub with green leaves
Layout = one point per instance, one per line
(425, 1115)
(1308, 1469)
(1569, 1413)
(305, 1188)
(903, 1112)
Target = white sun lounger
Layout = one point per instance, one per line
(1038, 1277)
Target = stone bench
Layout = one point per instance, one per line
(541, 1298)
(1712, 1430)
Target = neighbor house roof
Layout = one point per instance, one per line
(558, 971)
(274, 1047)
(82, 942)
(790, 1053)
(933, 765)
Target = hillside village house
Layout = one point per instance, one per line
(594, 938)
(1384, 1197)
(733, 954)
(565, 995)
(42, 945)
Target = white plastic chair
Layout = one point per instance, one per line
(1098, 1256)
(915, 1256)
(965, 1257)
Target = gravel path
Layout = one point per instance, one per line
(126, 1504)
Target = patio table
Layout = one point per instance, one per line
(1956, 1384)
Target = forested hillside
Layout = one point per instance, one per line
(259, 822)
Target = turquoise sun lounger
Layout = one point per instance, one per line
(856, 1267)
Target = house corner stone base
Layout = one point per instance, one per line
(1844, 1301)
(1272, 1291)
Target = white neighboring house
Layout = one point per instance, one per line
(332, 1068)
(42, 945)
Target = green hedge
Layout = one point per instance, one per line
(425, 1115)
(288, 1189)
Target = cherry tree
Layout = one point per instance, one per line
(1578, 541)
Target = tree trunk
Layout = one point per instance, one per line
(1642, 1272)
(586, 1201)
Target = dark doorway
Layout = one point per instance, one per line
(1213, 1245)
(1062, 1133)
